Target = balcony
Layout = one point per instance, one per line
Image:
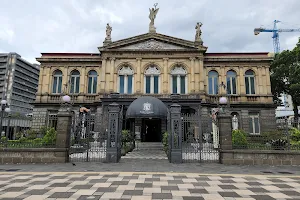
(160, 96)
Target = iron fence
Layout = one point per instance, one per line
(285, 137)
(87, 141)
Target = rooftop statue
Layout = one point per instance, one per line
(152, 16)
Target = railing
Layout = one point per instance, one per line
(179, 96)
(285, 137)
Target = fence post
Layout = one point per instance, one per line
(113, 133)
(176, 135)
(64, 121)
(225, 131)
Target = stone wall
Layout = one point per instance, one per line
(259, 157)
(33, 155)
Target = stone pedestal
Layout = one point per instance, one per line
(113, 151)
(225, 131)
(176, 134)
(64, 122)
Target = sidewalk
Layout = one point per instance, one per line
(153, 165)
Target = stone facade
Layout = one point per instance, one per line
(160, 55)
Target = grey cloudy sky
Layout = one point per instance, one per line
(30, 27)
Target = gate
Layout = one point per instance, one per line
(197, 139)
(86, 143)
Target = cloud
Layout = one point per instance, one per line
(79, 25)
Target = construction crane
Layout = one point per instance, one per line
(275, 32)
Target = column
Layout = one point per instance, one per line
(102, 76)
(112, 71)
(138, 76)
(175, 143)
(192, 81)
(178, 84)
(202, 75)
(126, 84)
(112, 151)
(197, 75)
(225, 134)
(41, 77)
(260, 81)
(242, 80)
(64, 121)
(165, 76)
(268, 81)
(152, 84)
(83, 82)
(222, 78)
(47, 87)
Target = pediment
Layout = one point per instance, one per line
(150, 42)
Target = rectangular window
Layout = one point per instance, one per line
(155, 84)
(228, 85)
(95, 85)
(77, 85)
(215, 85)
(54, 85)
(121, 84)
(148, 84)
(247, 85)
(174, 84)
(252, 85)
(129, 89)
(233, 85)
(182, 84)
(254, 126)
(90, 85)
(210, 86)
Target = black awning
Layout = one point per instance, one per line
(147, 107)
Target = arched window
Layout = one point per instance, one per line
(213, 82)
(151, 80)
(231, 82)
(75, 79)
(57, 82)
(92, 82)
(178, 80)
(125, 80)
(250, 82)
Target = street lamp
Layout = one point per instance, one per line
(66, 103)
(4, 108)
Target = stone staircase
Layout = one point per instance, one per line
(147, 150)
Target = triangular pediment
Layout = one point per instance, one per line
(150, 42)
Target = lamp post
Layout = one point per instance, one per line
(223, 101)
(4, 108)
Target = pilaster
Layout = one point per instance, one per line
(138, 75)
(102, 76)
(112, 70)
(83, 82)
(165, 76)
(192, 77)
(242, 80)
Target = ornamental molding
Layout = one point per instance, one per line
(152, 70)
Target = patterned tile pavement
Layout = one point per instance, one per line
(146, 186)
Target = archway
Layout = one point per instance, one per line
(150, 114)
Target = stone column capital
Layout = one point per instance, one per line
(138, 59)
(165, 59)
(192, 58)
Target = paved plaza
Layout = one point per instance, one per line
(139, 186)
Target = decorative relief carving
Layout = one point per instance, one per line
(126, 70)
(178, 70)
(152, 70)
(152, 44)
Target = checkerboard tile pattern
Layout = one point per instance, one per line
(146, 186)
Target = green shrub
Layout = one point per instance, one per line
(31, 134)
(50, 137)
(295, 136)
(239, 139)
(165, 141)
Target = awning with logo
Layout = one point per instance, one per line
(147, 107)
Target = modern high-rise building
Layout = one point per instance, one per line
(18, 82)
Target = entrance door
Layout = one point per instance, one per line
(151, 130)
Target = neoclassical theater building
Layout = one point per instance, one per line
(158, 65)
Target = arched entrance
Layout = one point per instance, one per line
(148, 116)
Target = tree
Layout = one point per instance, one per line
(285, 75)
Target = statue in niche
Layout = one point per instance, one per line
(235, 123)
(108, 32)
(152, 16)
(198, 31)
